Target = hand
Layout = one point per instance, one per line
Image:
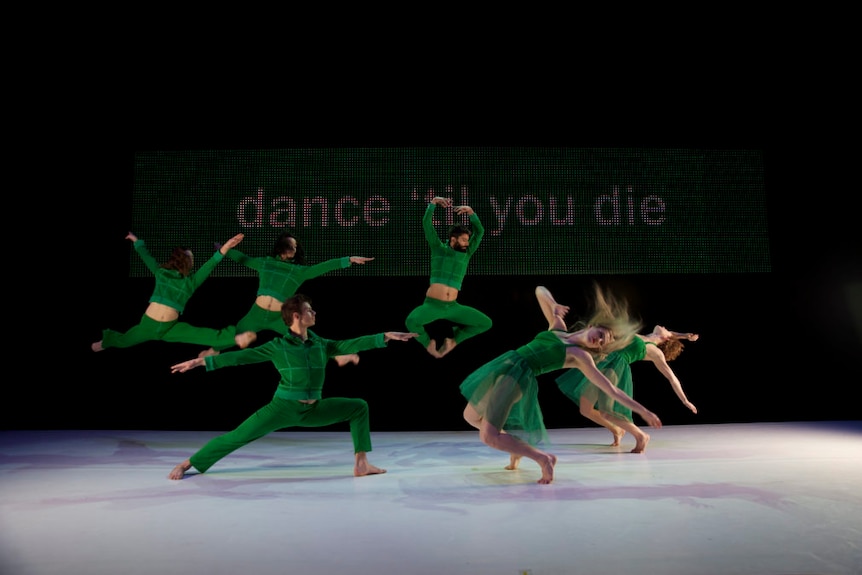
(690, 405)
(693, 337)
(561, 310)
(651, 418)
(132, 237)
(399, 335)
(187, 365)
(464, 210)
(231, 243)
(359, 259)
(443, 202)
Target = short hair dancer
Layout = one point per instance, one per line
(300, 357)
(280, 274)
(659, 347)
(175, 284)
(448, 267)
(502, 395)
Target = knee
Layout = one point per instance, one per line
(488, 435)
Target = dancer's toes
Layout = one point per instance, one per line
(367, 469)
(641, 444)
(618, 435)
(448, 345)
(514, 461)
(432, 349)
(548, 469)
(180, 470)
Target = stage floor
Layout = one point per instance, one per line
(758, 499)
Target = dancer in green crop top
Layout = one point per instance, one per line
(279, 276)
(175, 284)
(658, 347)
(448, 267)
(502, 395)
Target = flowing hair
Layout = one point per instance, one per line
(611, 312)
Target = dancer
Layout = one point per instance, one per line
(448, 266)
(175, 284)
(279, 276)
(659, 347)
(300, 358)
(502, 395)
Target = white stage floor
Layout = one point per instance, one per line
(758, 499)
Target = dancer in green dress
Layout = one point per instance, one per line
(175, 284)
(502, 395)
(448, 267)
(300, 358)
(659, 347)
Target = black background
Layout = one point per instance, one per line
(778, 346)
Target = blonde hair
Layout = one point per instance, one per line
(612, 313)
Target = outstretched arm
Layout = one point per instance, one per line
(399, 335)
(656, 356)
(553, 311)
(231, 243)
(584, 361)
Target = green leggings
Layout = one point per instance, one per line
(257, 320)
(172, 331)
(280, 413)
(469, 321)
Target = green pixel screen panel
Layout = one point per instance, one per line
(546, 211)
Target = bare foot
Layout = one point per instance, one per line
(641, 444)
(448, 345)
(245, 339)
(432, 349)
(207, 352)
(343, 360)
(96, 346)
(180, 470)
(618, 435)
(362, 467)
(514, 461)
(547, 466)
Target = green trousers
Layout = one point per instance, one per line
(469, 321)
(172, 331)
(281, 413)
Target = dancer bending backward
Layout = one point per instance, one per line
(300, 358)
(175, 284)
(659, 347)
(279, 276)
(448, 266)
(502, 395)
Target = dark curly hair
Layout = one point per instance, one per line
(180, 260)
(671, 348)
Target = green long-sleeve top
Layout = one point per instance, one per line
(300, 364)
(172, 288)
(281, 278)
(449, 266)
